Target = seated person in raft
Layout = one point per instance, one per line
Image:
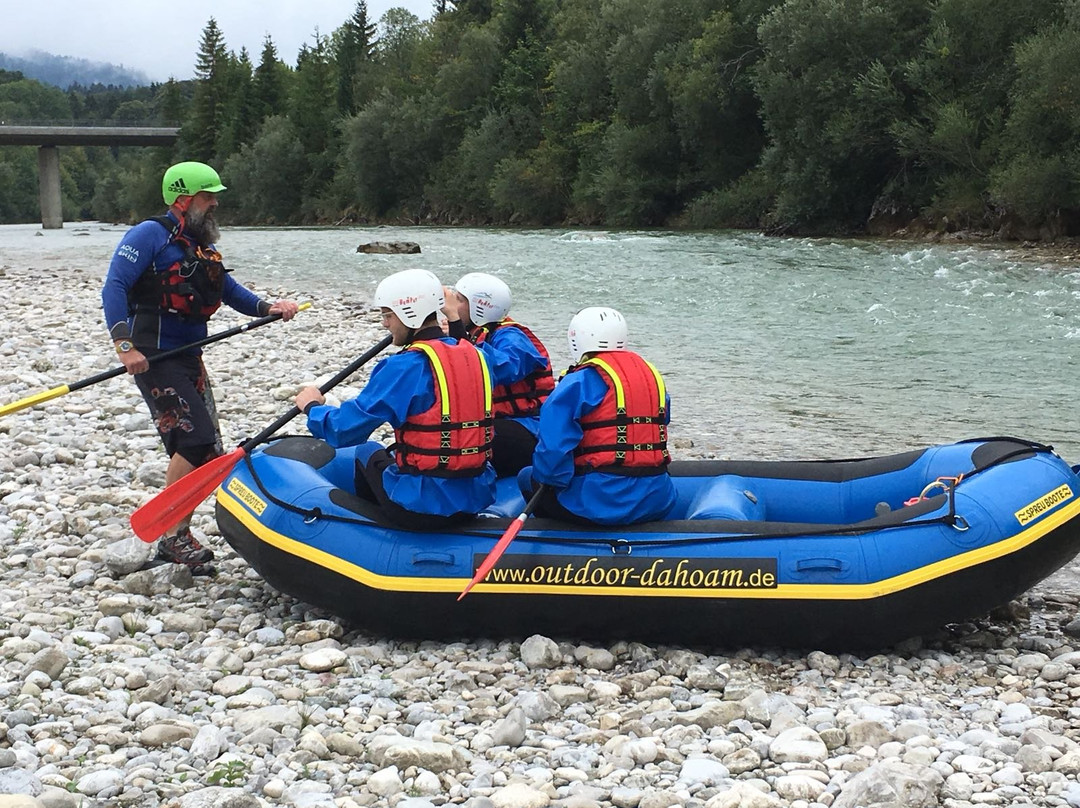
(602, 449)
(477, 308)
(437, 473)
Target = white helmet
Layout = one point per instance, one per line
(596, 328)
(413, 295)
(488, 296)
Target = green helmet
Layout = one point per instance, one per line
(187, 179)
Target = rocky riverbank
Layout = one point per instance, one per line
(154, 688)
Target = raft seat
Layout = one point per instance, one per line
(728, 496)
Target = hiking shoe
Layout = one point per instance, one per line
(208, 570)
(183, 548)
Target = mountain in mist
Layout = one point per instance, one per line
(63, 71)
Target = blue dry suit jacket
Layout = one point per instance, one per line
(145, 244)
(609, 499)
(401, 385)
(511, 355)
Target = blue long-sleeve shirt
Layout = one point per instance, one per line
(402, 385)
(145, 247)
(511, 355)
(609, 499)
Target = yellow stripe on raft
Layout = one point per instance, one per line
(867, 591)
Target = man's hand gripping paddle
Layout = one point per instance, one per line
(156, 516)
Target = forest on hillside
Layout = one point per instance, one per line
(800, 116)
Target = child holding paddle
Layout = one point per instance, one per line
(602, 455)
(437, 395)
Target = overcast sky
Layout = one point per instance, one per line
(161, 39)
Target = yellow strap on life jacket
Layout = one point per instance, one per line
(487, 384)
(440, 376)
(659, 384)
(620, 399)
(440, 379)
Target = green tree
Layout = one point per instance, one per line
(30, 100)
(240, 116)
(270, 83)
(465, 81)
(397, 49)
(713, 106)
(633, 175)
(1038, 175)
(959, 76)
(532, 189)
(312, 102)
(266, 177)
(169, 104)
(354, 50)
(18, 184)
(202, 129)
(134, 112)
(830, 152)
(389, 149)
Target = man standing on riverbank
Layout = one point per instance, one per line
(165, 281)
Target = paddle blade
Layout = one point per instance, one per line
(37, 398)
(495, 554)
(153, 519)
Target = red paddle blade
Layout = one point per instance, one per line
(493, 557)
(152, 519)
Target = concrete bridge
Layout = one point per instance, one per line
(48, 139)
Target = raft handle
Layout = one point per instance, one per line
(819, 565)
(433, 558)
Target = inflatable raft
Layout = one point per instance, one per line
(814, 554)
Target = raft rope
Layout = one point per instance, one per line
(624, 546)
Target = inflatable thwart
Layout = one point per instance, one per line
(818, 554)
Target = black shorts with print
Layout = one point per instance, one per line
(181, 401)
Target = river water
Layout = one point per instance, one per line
(772, 348)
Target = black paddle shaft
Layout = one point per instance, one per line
(232, 332)
(345, 373)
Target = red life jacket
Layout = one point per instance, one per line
(627, 433)
(525, 396)
(190, 288)
(452, 438)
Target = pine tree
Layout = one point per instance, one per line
(312, 110)
(201, 130)
(169, 104)
(355, 47)
(238, 126)
(270, 87)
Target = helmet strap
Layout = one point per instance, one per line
(181, 205)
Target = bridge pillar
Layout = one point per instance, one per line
(52, 214)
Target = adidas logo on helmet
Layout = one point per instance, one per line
(179, 187)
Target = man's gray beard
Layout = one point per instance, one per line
(202, 227)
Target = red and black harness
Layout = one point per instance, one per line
(627, 433)
(523, 397)
(452, 438)
(190, 288)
